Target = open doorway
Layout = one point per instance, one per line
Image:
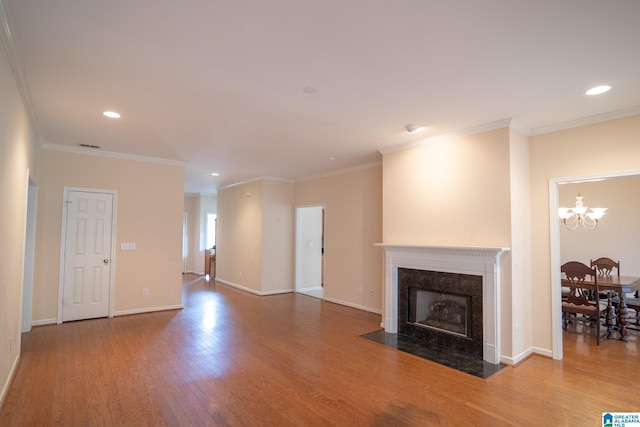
(615, 237)
(310, 251)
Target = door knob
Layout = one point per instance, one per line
(106, 260)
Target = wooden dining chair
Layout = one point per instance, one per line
(605, 266)
(577, 306)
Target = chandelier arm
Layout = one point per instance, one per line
(589, 223)
(571, 223)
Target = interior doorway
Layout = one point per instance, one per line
(310, 253)
(556, 250)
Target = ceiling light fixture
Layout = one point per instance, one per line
(215, 174)
(598, 90)
(412, 127)
(581, 215)
(333, 158)
(111, 114)
(310, 90)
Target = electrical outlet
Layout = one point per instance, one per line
(370, 292)
(145, 291)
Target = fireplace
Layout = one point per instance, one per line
(441, 309)
(468, 278)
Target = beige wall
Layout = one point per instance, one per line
(353, 224)
(254, 249)
(469, 191)
(192, 209)
(451, 192)
(278, 225)
(17, 162)
(239, 246)
(601, 148)
(149, 213)
(517, 321)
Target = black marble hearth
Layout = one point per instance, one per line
(444, 356)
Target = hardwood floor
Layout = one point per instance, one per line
(233, 358)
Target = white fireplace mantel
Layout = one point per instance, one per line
(478, 261)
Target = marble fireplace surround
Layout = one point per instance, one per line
(479, 261)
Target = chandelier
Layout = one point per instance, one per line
(581, 215)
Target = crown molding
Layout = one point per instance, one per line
(618, 114)
(258, 178)
(17, 67)
(452, 135)
(111, 154)
(341, 171)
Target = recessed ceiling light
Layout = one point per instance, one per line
(412, 127)
(310, 90)
(333, 158)
(215, 174)
(111, 114)
(598, 90)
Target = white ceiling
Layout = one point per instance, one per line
(219, 84)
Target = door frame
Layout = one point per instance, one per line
(554, 233)
(63, 238)
(28, 266)
(298, 246)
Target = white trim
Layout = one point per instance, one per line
(253, 291)
(148, 310)
(585, 121)
(28, 255)
(63, 237)
(111, 154)
(543, 351)
(518, 358)
(41, 322)
(12, 373)
(554, 241)
(352, 305)
(17, 66)
(341, 171)
(257, 178)
(447, 136)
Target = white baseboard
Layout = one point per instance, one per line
(543, 351)
(253, 291)
(7, 384)
(352, 305)
(44, 322)
(148, 310)
(310, 289)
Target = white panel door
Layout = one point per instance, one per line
(87, 272)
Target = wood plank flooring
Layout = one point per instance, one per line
(231, 358)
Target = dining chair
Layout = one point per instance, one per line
(605, 266)
(577, 306)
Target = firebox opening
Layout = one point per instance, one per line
(441, 311)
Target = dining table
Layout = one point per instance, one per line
(622, 285)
